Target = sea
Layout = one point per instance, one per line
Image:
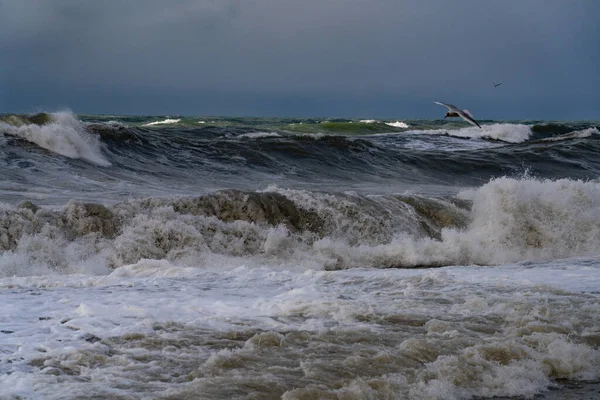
(178, 257)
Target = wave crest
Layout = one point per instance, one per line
(167, 121)
(398, 124)
(506, 220)
(585, 133)
(510, 133)
(61, 133)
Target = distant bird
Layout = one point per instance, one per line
(453, 111)
(497, 84)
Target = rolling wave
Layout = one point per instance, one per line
(585, 133)
(187, 157)
(251, 213)
(503, 221)
(509, 133)
(61, 133)
(431, 155)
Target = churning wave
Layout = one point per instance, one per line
(61, 133)
(397, 124)
(509, 133)
(504, 221)
(245, 216)
(585, 133)
(146, 155)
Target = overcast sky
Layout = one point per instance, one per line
(345, 58)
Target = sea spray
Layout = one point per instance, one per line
(506, 220)
(62, 134)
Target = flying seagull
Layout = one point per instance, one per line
(497, 84)
(453, 111)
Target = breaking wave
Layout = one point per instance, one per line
(61, 133)
(585, 133)
(506, 220)
(510, 133)
(188, 158)
(398, 124)
(273, 233)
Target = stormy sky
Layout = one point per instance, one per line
(344, 58)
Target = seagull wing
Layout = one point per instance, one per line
(448, 106)
(464, 114)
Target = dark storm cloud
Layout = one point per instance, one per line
(336, 57)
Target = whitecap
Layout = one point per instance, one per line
(163, 122)
(510, 133)
(397, 124)
(65, 135)
(573, 135)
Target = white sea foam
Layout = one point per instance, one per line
(256, 135)
(218, 300)
(380, 333)
(522, 219)
(510, 133)
(511, 220)
(398, 124)
(163, 122)
(64, 135)
(116, 124)
(574, 135)
(367, 121)
(154, 269)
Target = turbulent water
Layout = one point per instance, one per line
(173, 257)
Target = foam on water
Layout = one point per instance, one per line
(504, 221)
(510, 133)
(115, 124)
(299, 294)
(64, 135)
(167, 121)
(257, 135)
(573, 135)
(226, 295)
(270, 334)
(510, 220)
(397, 124)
